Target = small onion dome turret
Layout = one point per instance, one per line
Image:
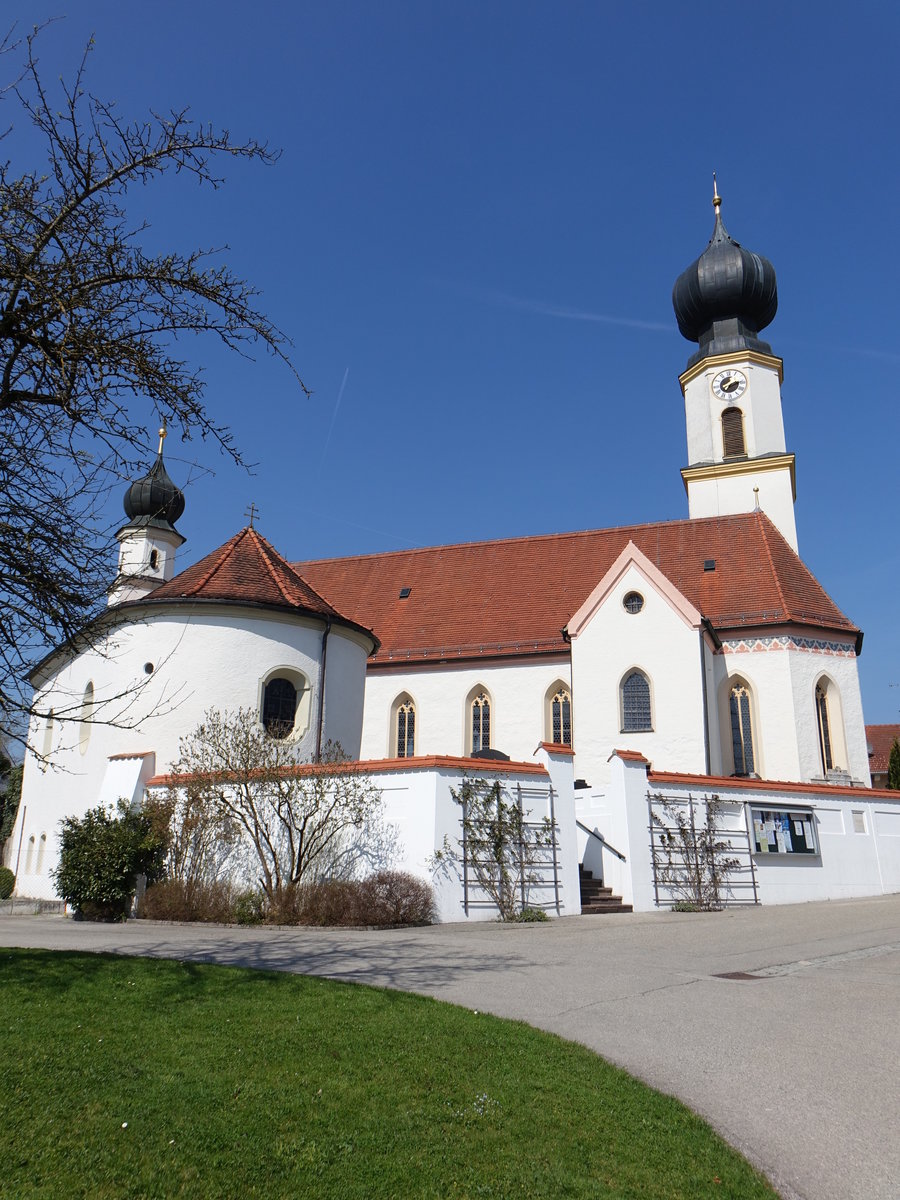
(154, 500)
(726, 297)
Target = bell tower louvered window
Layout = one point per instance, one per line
(733, 433)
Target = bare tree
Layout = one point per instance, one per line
(90, 324)
(296, 818)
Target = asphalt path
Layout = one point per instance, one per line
(779, 1025)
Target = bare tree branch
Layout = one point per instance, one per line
(90, 325)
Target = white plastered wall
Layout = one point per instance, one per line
(725, 495)
(419, 805)
(760, 405)
(517, 690)
(782, 682)
(657, 641)
(848, 731)
(203, 657)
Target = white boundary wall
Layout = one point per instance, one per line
(857, 833)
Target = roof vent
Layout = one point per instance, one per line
(404, 593)
(709, 564)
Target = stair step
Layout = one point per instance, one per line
(614, 906)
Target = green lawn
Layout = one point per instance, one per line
(127, 1077)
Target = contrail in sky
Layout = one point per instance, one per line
(334, 416)
(573, 314)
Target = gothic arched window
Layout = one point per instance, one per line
(635, 695)
(406, 728)
(561, 717)
(741, 730)
(733, 433)
(824, 726)
(480, 712)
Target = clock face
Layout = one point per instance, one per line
(729, 384)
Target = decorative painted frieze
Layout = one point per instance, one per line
(755, 645)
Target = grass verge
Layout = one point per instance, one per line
(129, 1077)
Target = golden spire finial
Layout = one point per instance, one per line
(717, 199)
(163, 434)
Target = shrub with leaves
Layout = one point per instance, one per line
(893, 779)
(101, 855)
(7, 883)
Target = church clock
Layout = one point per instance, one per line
(729, 385)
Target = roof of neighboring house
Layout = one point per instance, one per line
(881, 738)
(514, 596)
(248, 570)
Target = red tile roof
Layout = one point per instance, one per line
(248, 570)
(881, 738)
(514, 596)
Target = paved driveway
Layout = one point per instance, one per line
(797, 1065)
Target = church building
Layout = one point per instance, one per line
(695, 656)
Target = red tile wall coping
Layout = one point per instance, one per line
(556, 748)
(727, 783)
(383, 766)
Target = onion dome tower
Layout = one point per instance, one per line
(737, 459)
(147, 544)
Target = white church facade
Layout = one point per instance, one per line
(588, 670)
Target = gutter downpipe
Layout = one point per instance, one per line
(21, 836)
(705, 626)
(321, 715)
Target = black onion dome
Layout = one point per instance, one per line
(154, 499)
(726, 297)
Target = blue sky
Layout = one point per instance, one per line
(471, 238)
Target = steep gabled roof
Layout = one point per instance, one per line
(247, 570)
(514, 596)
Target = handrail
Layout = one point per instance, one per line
(602, 840)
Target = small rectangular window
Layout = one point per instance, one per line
(784, 831)
(859, 821)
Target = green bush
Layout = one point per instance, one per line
(248, 908)
(7, 883)
(528, 915)
(101, 853)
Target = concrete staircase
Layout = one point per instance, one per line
(595, 898)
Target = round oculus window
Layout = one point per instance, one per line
(633, 602)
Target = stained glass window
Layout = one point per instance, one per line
(636, 716)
